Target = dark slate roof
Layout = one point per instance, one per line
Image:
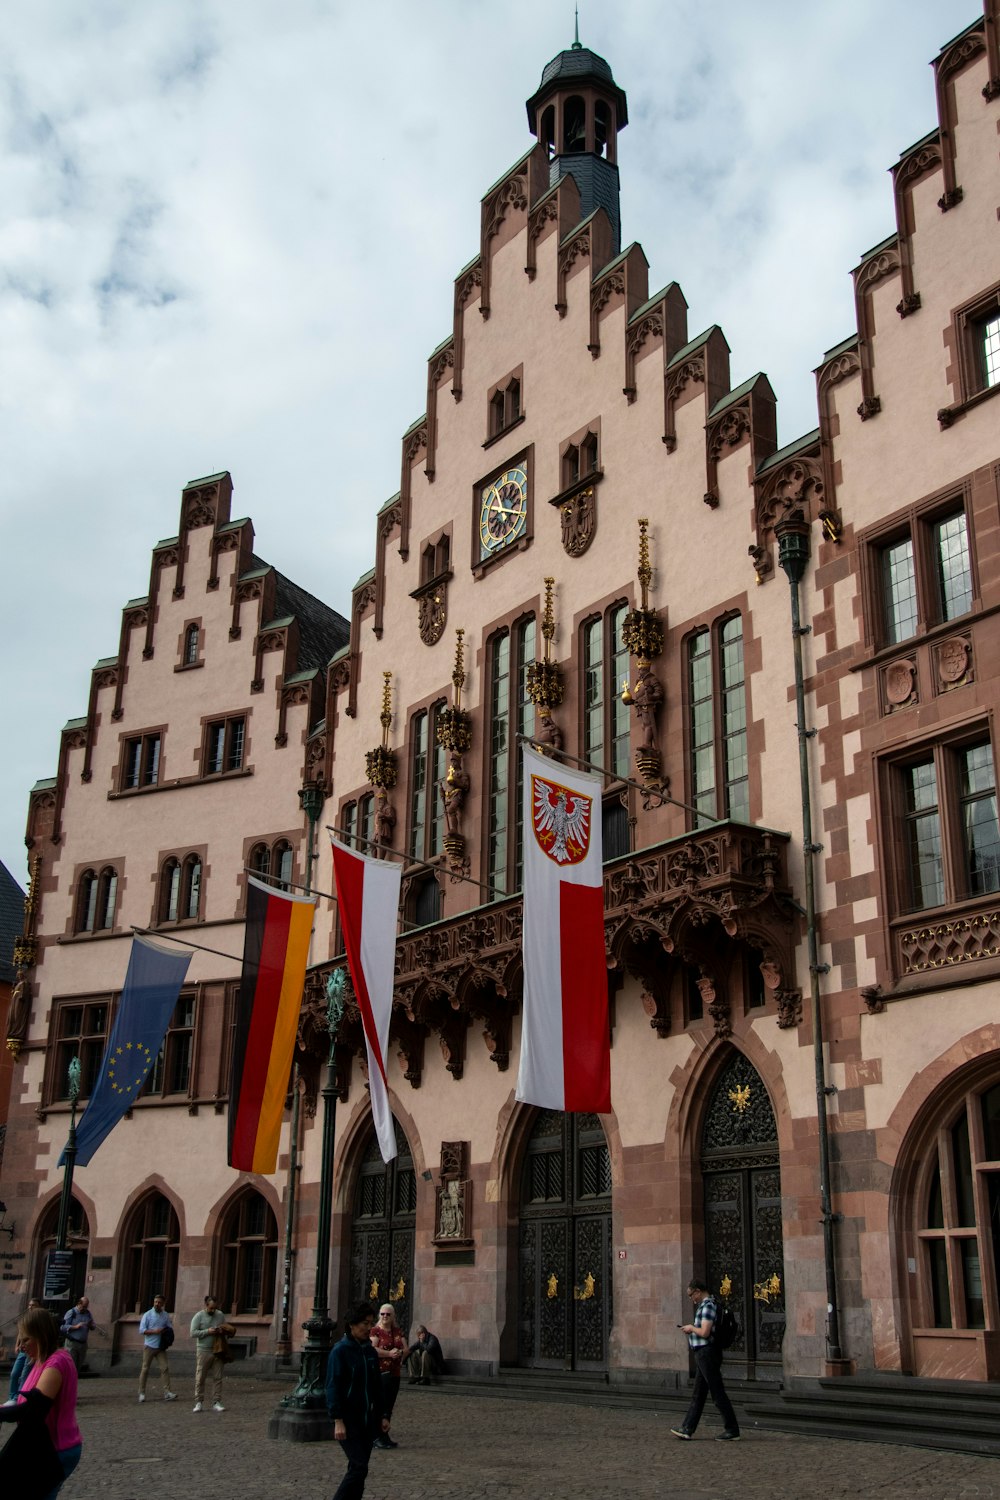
(322, 631)
(574, 66)
(11, 921)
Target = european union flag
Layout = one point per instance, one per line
(152, 985)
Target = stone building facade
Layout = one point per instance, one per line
(589, 547)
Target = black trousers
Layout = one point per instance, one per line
(358, 1452)
(708, 1382)
(390, 1390)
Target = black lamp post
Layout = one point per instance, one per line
(302, 1417)
(793, 555)
(69, 1152)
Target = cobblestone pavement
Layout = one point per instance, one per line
(455, 1447)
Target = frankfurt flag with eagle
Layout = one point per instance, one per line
(565, 1041)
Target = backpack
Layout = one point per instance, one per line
(727, 1328)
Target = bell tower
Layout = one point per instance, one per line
(577, 112)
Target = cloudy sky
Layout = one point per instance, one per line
(230, 228)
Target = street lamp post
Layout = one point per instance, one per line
(302, 1417)
(69, 1153)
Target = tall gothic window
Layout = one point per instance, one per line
(717, 723)
(511, 714)
(605, 669)
(150, 1248)
(427, 769)
(249, 1255)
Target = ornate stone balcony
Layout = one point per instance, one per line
(700, 906)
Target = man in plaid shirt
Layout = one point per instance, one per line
(708, 1367)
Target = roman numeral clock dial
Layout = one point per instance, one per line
(503, 511)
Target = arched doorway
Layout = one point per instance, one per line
(77, 1242)
(385, 1205)
(564, 1296)
(741, 1179)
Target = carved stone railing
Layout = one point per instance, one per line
(927, 946)
(693, 900)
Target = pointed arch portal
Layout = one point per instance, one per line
(741, 1178)
(382, 1227)
(564, 1297)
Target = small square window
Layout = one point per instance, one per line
(224, 746)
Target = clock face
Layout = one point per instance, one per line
(503, 511)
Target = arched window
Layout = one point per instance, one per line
(149, 1253)
(96, 906)
(192, 640)
(574, 125)
(260, 860)
(248, 1242)
(180, 889)
(77, 1243)
(192, 887)
(281, 863)
(426, 901)
(547, 130)
(602, 127)
(170, 890)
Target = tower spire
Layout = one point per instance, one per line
(576, 29)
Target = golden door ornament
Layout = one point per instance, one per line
(763, 1291)
(740, 1096)
(588, 1289)
(373, 1291)
(552, 1289)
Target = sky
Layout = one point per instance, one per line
(230, 230)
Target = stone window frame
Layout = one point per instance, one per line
(87, 1042)
(227, 722)
(428, 831)
(148, 768)
(181, 1033)
(943, 749)
(184, 862)
(968, 323)
(143, 1275)
(504, 405)
(518, 712)
(585, 442)
(722, 784)
(915, 521)
(611, 660)
(235, 1242)
(103, 878)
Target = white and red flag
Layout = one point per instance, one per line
(368, 897)
(565, 1042)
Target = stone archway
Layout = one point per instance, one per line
(383, 1218)
(741, 1182)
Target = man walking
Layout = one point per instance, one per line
(206, 1326)
(354, 1398)
(152, 1326)
(75, 1329)
(708, 1366)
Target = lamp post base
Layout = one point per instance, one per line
(301, 1416)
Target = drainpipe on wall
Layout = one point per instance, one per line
(793, 555)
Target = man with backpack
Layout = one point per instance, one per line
(157, 1329)
(703, 1336)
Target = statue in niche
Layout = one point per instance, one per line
(451, 1211)
(647, 696)
(454, 789)
(385, 819)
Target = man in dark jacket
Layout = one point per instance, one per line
(354, 1398)
(426, 1359)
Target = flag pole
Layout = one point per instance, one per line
(348, 837)
(591, 765)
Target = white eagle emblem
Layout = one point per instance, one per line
(561, 820)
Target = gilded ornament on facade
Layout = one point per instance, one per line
(740, 1096)
(726, 1285)
(766, 1291)
(380, 763)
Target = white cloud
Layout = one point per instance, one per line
(230, 234)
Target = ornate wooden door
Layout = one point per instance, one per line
(564, 1307)
(743, 1237)
(385, 1204)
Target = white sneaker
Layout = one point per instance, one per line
(218, 1406)
(170, 1396)
(142, 1395)
(196, 1406)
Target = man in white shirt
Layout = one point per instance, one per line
(151, 1326)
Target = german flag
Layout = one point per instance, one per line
(275, 954)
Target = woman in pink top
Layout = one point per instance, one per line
(49, 1390)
